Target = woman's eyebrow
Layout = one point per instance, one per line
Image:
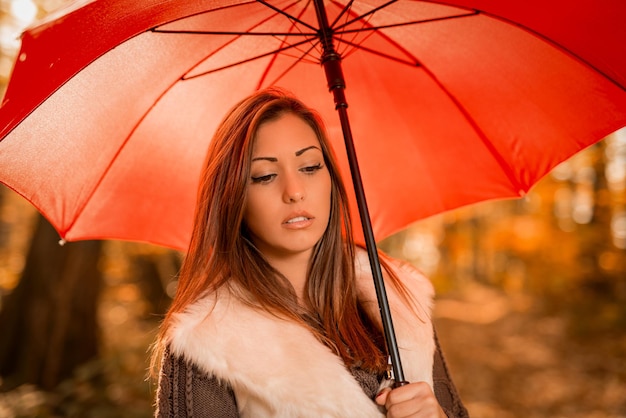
(270, 159)
(303, 150)
(297, 153)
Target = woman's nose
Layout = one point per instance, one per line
(294, 190)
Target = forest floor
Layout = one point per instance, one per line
(510, 359)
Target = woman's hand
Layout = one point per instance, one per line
(411, 400)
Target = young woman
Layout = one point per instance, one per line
(275, 314)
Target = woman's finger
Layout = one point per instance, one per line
(412, 400)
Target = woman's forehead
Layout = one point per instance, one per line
(288, 134)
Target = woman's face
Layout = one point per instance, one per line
(288, 194)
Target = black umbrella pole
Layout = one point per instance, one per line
(379, 284)
(331, 61)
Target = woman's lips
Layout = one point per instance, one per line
(298, 221)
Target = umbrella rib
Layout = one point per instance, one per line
(292, 18)
(506, 168)
(413, 22)
(358, 18)
(557, 45)
(344, 10)
(254, 58)
(415, 63)
(287, 15)
(364, 20)
(296, 61)
(117, 153)
(340, 39)
(233, 33)
(240, 34)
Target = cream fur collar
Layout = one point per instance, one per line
(278, 369)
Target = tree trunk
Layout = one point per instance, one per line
(153, 273)
(49, 322)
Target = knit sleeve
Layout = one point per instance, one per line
(186, 392)
(445, 391)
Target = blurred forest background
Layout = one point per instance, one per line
(531, 295)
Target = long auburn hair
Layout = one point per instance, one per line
(221, 253)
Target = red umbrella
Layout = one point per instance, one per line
(111, 104)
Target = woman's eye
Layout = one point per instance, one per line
(263, 179)
(312, 168)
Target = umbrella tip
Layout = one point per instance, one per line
(62, 242)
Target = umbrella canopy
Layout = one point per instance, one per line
(111, 104)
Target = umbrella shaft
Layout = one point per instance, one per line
(331, 61)
(379, 284)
